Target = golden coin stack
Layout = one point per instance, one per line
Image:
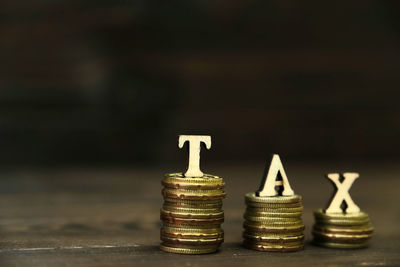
(273, 223)
(192, 214)
(342, 230)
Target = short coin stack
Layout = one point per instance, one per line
(342, 230)
(273, 223)
(192, 214)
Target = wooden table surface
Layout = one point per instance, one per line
(109, 216)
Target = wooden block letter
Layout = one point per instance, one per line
(267, 188)
(194, 152)
(342, 193)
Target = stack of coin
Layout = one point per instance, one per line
(273, 223)
(342, 230)
(192, 214)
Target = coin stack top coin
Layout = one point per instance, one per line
(341, 230)
(273, 223)
(192, 214)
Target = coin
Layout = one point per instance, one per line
(368, 229)
(193, 235)
(191, 186)
(172, 228)
(195, 250)
(272, 223)
(189, 203)
(267, 243)
(251, 197)
(171, 219)
(345, 238)
(177, 245)
(270, 247)
(176, 209)
(180, 182)
(341, 245)
(277, 225)
(253, 213)
(274, 228)
(193, 194)
(274, 239)
(273, 233)
(206, 179)
(274, 220)
(273, 205)
(342, 222)
(219, 215)
(341, 216)
(191, 226)
(274, 209)
(195, 241)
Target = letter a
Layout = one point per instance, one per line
(267, 188)
(342, 193)
(194, 152)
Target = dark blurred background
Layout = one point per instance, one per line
(115, 82)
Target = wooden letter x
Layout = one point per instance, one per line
(342, 193)
(194, 152)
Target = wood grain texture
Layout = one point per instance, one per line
(110, 217)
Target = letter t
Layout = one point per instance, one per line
(194, 152)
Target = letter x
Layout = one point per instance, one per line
(342, 193)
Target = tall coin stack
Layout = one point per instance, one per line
(342, 230)
(273, 223)
(192, 214)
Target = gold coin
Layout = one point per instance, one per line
(274, 239)
(347, 238)
(273, 227)
(172, 208)
(251, 197)
(206, 250)
(273, 234)
(362, 216)
(273, 205)
(272, 247)
(273, 214)
(267, 243)
(272, 219)
(170, 219)
(194, 201)
(193, 194)
(190, 203)
(177, 180)
(341, 222)
(341, 245)
(193, 235)
(175, 245)
(275, 209)
(194, 241)
(207, 179)
(367, 229)
(191, 186)
(218, 215)
(193, 230)
(192, 225)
